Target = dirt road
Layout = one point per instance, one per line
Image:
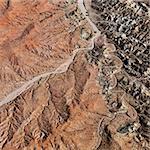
(62, 68)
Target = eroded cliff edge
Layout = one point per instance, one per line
(94, 104)
(123, 57)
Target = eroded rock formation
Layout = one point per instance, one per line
(123, 57)
(33, 35)
(57, 92)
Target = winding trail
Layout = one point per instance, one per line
(61, 69)
(84, 12)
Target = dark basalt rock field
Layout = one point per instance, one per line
(74, 75)
(124, 73)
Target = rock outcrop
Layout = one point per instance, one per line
(65, 88)
(33, 35)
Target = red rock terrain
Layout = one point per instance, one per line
(58, 112)
(53, 87)
(33, 35)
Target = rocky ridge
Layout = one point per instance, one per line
(34, 34)
(122, 54)
(93, 104)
